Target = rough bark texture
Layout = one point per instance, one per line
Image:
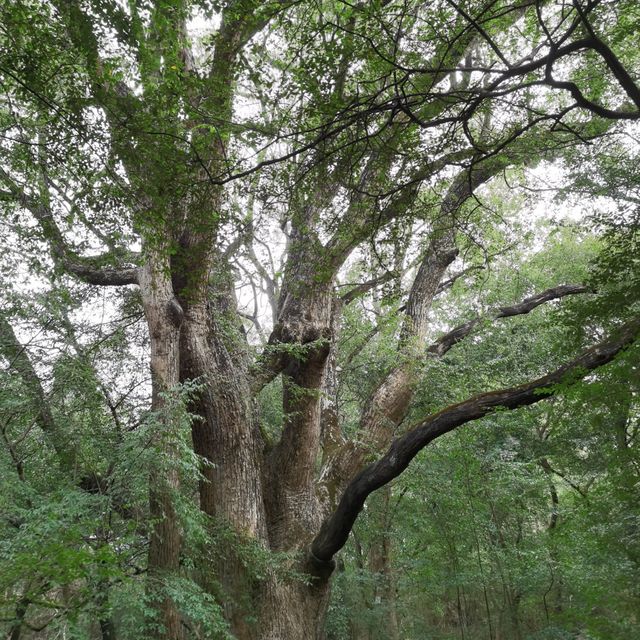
(225, 435)
(291, 610)
(303, 336)
(164, 316)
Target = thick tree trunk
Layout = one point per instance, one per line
(226, 436)
(292, 610)
(224, 432)
(294, 511)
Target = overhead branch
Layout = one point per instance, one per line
(611, 60)
(83, 33)
(335, 530)
(347, 298)
(362, 288)
(358, 223)
(101, 270)
(363, 219)
(548, 469)
(559, 51)
(449, 282)
(396, 392)
(387, 405)
(448, 340)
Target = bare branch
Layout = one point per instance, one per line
(448, 340)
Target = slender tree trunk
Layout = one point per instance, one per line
(164, 317)
(556, 576)
(381, 566)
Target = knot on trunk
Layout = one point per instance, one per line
(175, 313)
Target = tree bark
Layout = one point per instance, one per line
(291, 610)
(164, 317)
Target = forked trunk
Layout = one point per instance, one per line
(285, 605)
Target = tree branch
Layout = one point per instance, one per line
(19, 361)
(387, 406)
(91, 269)
(448, 340)
(335, 530)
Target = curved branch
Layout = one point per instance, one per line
(335, 530)
(448, 340)
(377, 432)
(91, 269)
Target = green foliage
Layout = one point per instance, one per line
(473, 539)
(298, 148)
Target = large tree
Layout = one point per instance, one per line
(194, 151)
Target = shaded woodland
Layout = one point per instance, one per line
(319, 320)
